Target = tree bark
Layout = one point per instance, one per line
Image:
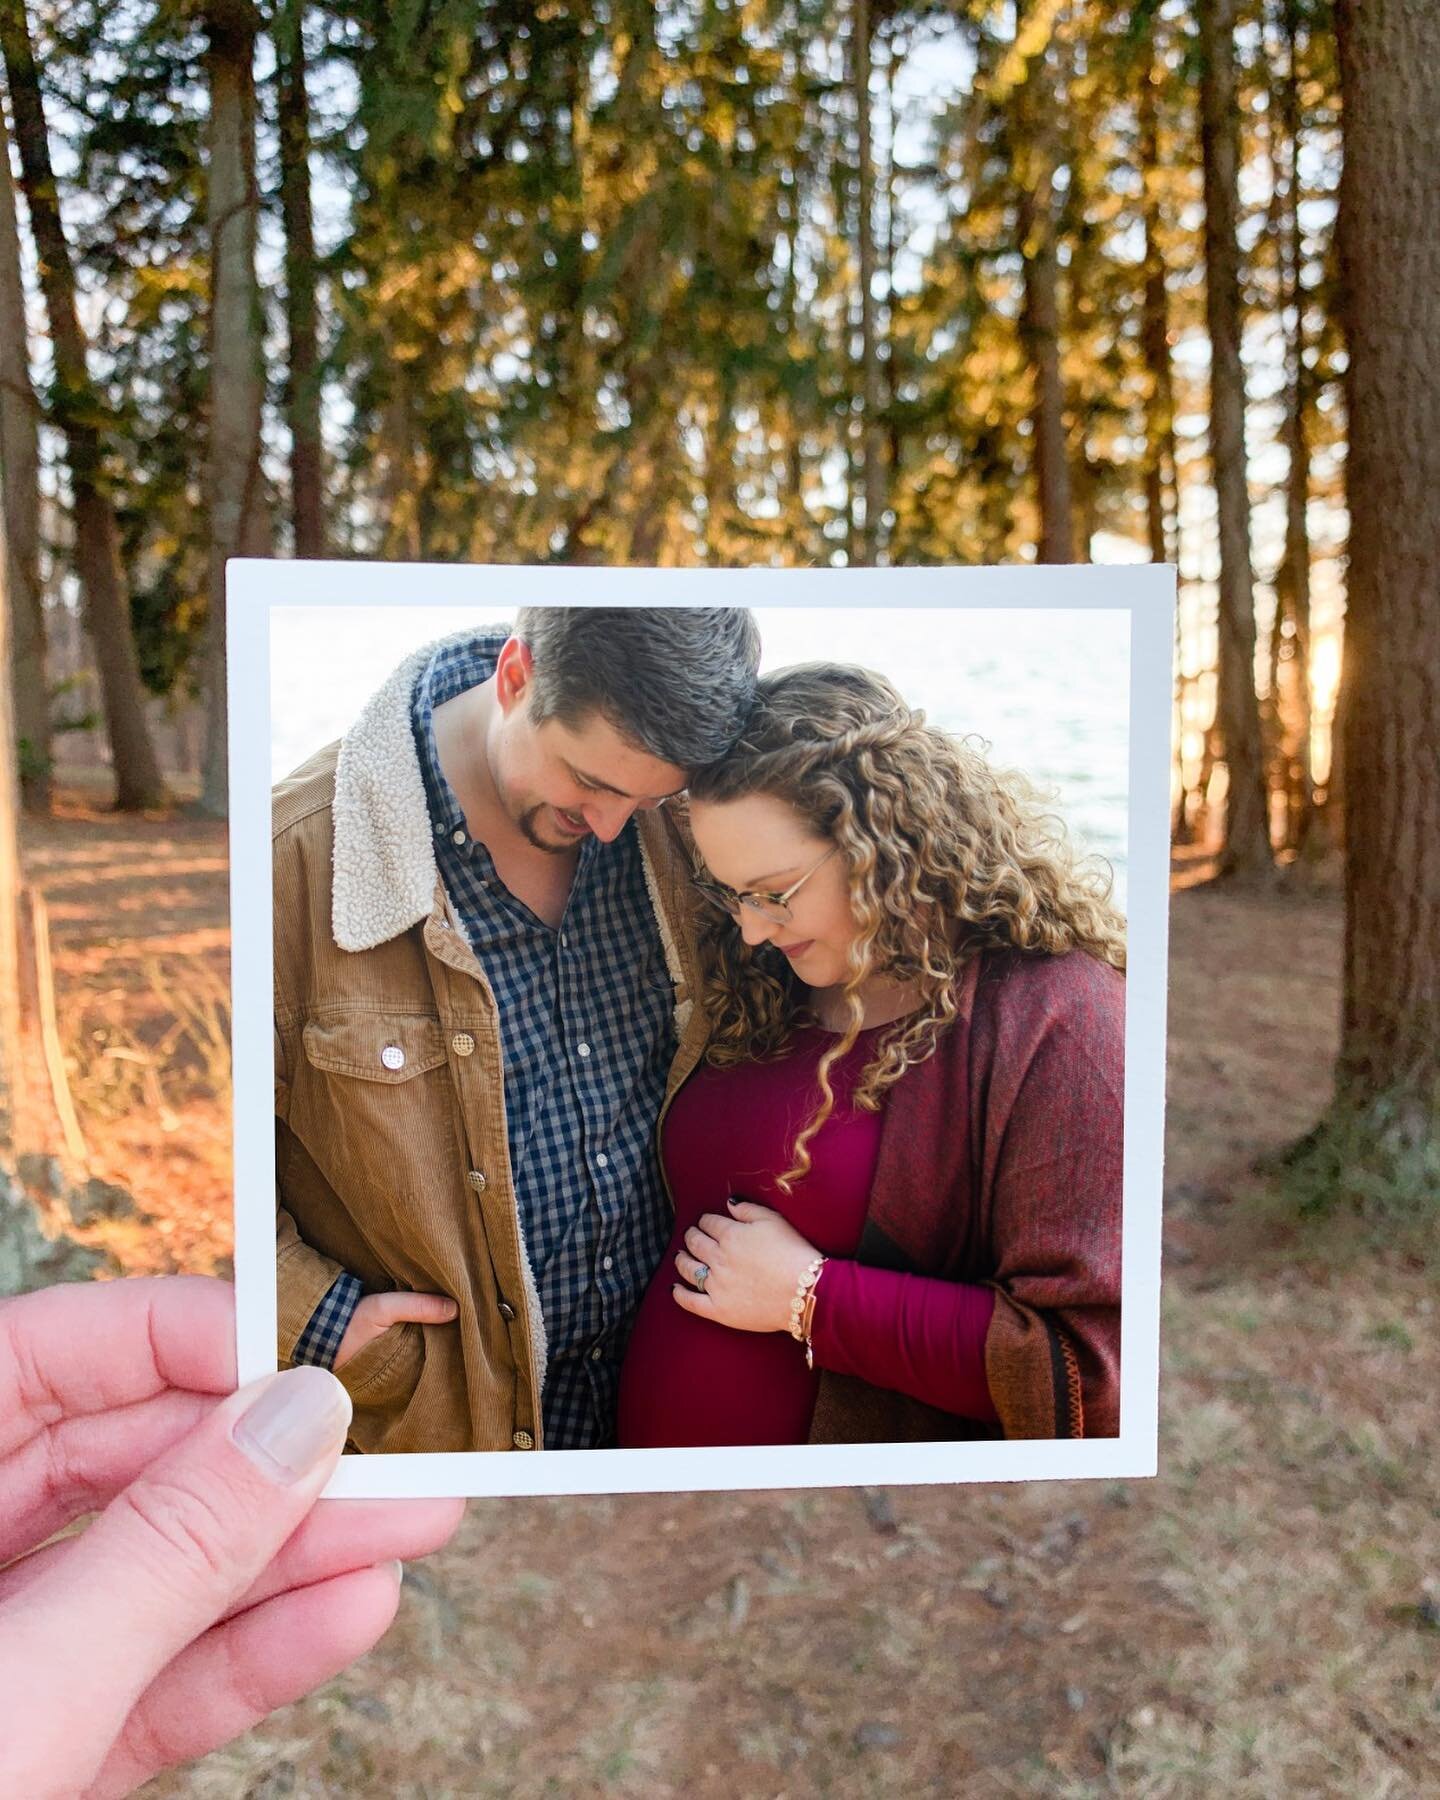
(75, 406)
(9, 861)
(1161, 483)
(1035, 158)
(239, 515)
(302, 389)
(797, 415)
(722, 506)
(1247, 835)
(1390, 258)
(1292, 580)
(872, 438)
(20, 502)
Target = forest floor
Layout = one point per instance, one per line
(1261, 1620)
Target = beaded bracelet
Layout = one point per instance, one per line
(802, 1308)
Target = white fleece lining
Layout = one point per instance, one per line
(385, 868)
(539, 1337)
(683, 1008)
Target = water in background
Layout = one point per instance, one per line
(1048, 689)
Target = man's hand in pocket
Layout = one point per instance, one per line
(376, 1313)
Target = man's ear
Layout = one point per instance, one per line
(514, 672)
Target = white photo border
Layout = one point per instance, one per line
(1146, 592)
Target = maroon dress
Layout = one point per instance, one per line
(691, 1381)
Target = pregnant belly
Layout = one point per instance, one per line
(688, 1381)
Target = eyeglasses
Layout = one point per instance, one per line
(774, 907)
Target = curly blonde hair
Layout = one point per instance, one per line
(946, 857)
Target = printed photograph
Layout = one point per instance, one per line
(701, 1027)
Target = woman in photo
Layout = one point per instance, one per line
(897, 1175)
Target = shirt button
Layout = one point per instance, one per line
(476, 1178)
(607, 1262)
(507, 1311)
(596, 1354)
(457, 837)
(393, 1057)
(439, 828)
(584, 1049)
(522, 1440)
(602, 1161)
(462, 1043)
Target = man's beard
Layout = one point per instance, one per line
(526, 824)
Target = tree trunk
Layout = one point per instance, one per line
(722, 506)
(1034, 153)
(399, 475)
(1247, 837)
(239, 517)
(75, 406)
(1390, 256)
(1292, 580)
(1162, 485)
(1161, 481)
(895, 54)
(872, 437)
(9, 862)
(797, 415)
(20, 503)
(302, 388)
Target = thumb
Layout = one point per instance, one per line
(183, 1542)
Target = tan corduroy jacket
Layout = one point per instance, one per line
(391, 1157)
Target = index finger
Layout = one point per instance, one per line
(91, 1347)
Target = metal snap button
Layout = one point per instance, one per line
(462, 1043)
(522, 1440)
(507, 1311)
(476, 1178)
(393, 1057)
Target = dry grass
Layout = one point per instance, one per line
(1261, 1620)
(178, 1055)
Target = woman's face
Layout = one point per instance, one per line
(762, 845)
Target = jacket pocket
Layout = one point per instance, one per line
(372, 1103)
(381, 1380)
(374, 1046)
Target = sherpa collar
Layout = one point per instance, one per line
(385, 870)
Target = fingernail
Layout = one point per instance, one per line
(293, 1422)
(730, 1200)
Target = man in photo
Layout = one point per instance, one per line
(483, 990)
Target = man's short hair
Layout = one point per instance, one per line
(677, 681)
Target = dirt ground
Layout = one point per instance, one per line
(1261, 1620)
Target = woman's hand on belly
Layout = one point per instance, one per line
(754, 1258)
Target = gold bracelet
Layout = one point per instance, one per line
(802, 1308)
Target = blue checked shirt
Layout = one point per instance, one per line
(587, 1034)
